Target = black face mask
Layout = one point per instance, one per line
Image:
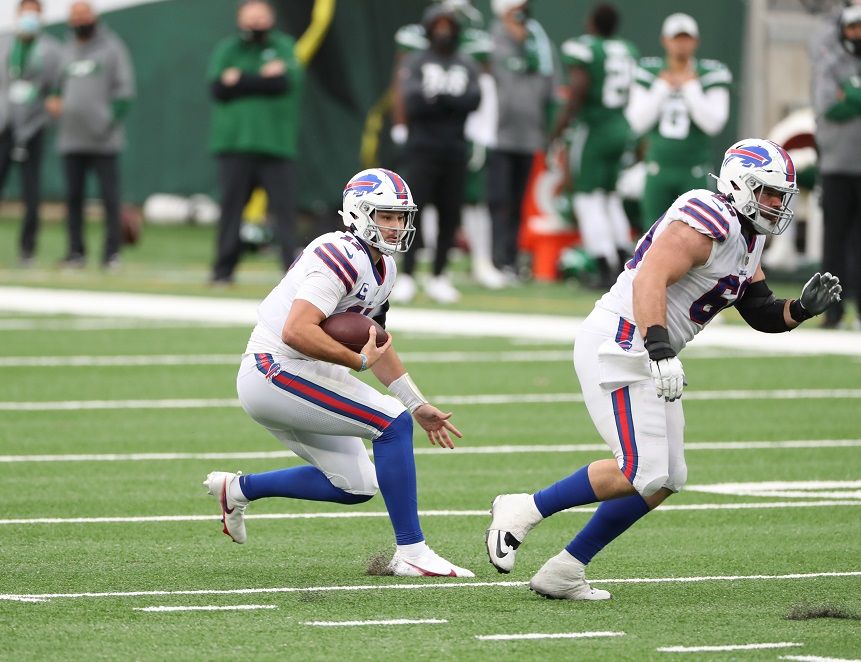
(445, 44)
(85, 30)
(255, 36)
(853, 46)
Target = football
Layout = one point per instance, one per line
(351, 330)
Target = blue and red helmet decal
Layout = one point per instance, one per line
(362, 184)
(401, 190)
(752, 156)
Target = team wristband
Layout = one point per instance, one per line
(364, 365)
(657, 343)
(798, 312)
(405, 390)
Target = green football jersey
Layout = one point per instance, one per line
(676, 139)
(611, 65)
(474, 42)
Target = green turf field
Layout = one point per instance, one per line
(164, 546)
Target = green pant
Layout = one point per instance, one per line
(665, 183)
(597, 160)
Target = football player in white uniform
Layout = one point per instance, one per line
(294, 380)
(702, 255)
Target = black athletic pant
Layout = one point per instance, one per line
(507, 176)
(841, 207)
(31, 184)
(106, 167)
(239, 175)
(438, 180)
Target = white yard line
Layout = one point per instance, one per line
(350, 514)
(459, 400)
(462, 323)
(507, 449)
(542, 635)
(206, 608)
(393, 621)
(731, 647)
(443, 584)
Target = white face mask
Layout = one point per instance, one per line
(29, 23)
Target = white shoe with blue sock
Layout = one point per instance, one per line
(564, 578)
(514, 515)
(219, 484)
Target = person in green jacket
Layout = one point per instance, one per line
(256, 81)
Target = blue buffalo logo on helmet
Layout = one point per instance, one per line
(364, 183)
(751, 156)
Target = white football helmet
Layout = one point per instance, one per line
(750, 167)
(378, 189)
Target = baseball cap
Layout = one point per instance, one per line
(851, 15)
(676, 24)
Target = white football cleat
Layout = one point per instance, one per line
(405, 289)
(440, 289)
(514, 515)
(564, 578)
(429, 564)
(232, 512)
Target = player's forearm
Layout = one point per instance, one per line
(708, 110)
(389, 367)
(311, 340)
(650, 302)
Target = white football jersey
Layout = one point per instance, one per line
(705, 290)
(335, 272)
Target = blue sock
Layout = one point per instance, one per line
(611, 520)
(305, 482)
(575, 490)
(396, 475)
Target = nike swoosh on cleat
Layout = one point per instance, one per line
(499, 551)
(224, 507)
(428, 573)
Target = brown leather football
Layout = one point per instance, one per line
(351, 330)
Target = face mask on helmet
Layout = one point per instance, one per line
(758, 179)
(367, 196)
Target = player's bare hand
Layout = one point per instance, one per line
(437, 425)
(371, 351)
(273, 68)
(231, 76)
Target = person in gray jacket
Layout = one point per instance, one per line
(29, 69)
(522, 65)
(837, 104)
(96, 91)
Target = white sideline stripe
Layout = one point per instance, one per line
(406, 587)
(424, 513)
(732, 647)
(34, 300)
(541, 635)
(815, 658)
(500, 399)
(393, 621)
(807, 489)
(234, 359)
(103, 325)
(206, 608)
(475, 450)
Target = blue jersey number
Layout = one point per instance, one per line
(712, 302)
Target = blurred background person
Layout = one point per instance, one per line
(256, 81)
(522, 66)
(601, 73)
(679, 103)
(837, 103)
(440, 88)
(29, 71)
(95, 94)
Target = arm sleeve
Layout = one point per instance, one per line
(850, 105)
(644, 106)
(761, 310)
(256, 85)
(709, 109)
(123, 85)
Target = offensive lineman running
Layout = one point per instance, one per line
(294, 380)
(702, 255)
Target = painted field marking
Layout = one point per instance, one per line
(206, 608)
(550, 635)
(461, 450)
(815, 658)
(23, 597)
(732, 647)
(460, 400)
(423, 513)
(805, 489)
(393, 621)
(90, 324)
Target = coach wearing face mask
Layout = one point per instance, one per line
(256, 81)
(95, 93)
(29, 68)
